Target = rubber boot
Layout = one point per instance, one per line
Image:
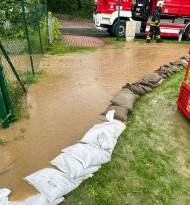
(147, 40)
(159, 40)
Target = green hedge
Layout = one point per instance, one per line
(81, 8)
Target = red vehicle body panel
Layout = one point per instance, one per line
(173, 7)
(167, 30)
(109, 6)
(183, 101)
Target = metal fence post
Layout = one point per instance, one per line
(118, 21)
(3, 115)
(38, 22)
(27, 36)
(5, 95)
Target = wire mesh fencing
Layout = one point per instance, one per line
(24, 38)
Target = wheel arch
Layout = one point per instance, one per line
(122, 18)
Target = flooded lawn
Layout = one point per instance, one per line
(68, 101)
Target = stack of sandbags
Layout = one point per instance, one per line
(151, 80)
(122, 103)
(124, 100)
(169, 69)
(53, 184)
(78, 162)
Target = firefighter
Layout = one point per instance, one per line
(155, 24)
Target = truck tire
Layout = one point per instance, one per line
(122, 28)
(187, 33)
(110, 32)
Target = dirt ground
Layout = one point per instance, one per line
(68, 101)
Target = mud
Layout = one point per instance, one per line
(68, 101)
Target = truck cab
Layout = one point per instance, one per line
(175, 16)
(106, 14)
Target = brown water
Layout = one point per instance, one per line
(68, 101)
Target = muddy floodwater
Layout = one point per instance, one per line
(67, 102)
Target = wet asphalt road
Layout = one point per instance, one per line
(83, 31)
(87, 31)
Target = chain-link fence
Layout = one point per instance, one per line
(24, 37)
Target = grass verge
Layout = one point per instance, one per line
(112, 39)
(155, 148)
(58, 48)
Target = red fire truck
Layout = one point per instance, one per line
(175, 16)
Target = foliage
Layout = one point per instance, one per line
(38, 1)
(10, 13)
(3, 141)
(150, 157)
(56, 30)
(81, 8)
(12, 24)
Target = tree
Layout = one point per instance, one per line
(82, 8)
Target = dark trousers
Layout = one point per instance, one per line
(154, 30)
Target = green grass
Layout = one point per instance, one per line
(155, 150)
(19, 137)
(3, 141)
(164, 41)
(22, 130)
(112, 39)
(59, 48)
(34, 79)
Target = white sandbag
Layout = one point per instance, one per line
(4, 201)
(72, 167)
(119, 126)
(102, 136)
(88, 155)
(52, 183)
(37, 199)
(4, 196)
(105, 135)
(110, 115)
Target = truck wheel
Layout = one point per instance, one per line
(110, 32)
(122, 28)
(187, 33)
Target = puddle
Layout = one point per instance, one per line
(67, 102)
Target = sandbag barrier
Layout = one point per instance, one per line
(78, 162)
(75, 164)
(124, 100)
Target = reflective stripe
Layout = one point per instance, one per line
(157, 37)
(153, 24)
(148, 37)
